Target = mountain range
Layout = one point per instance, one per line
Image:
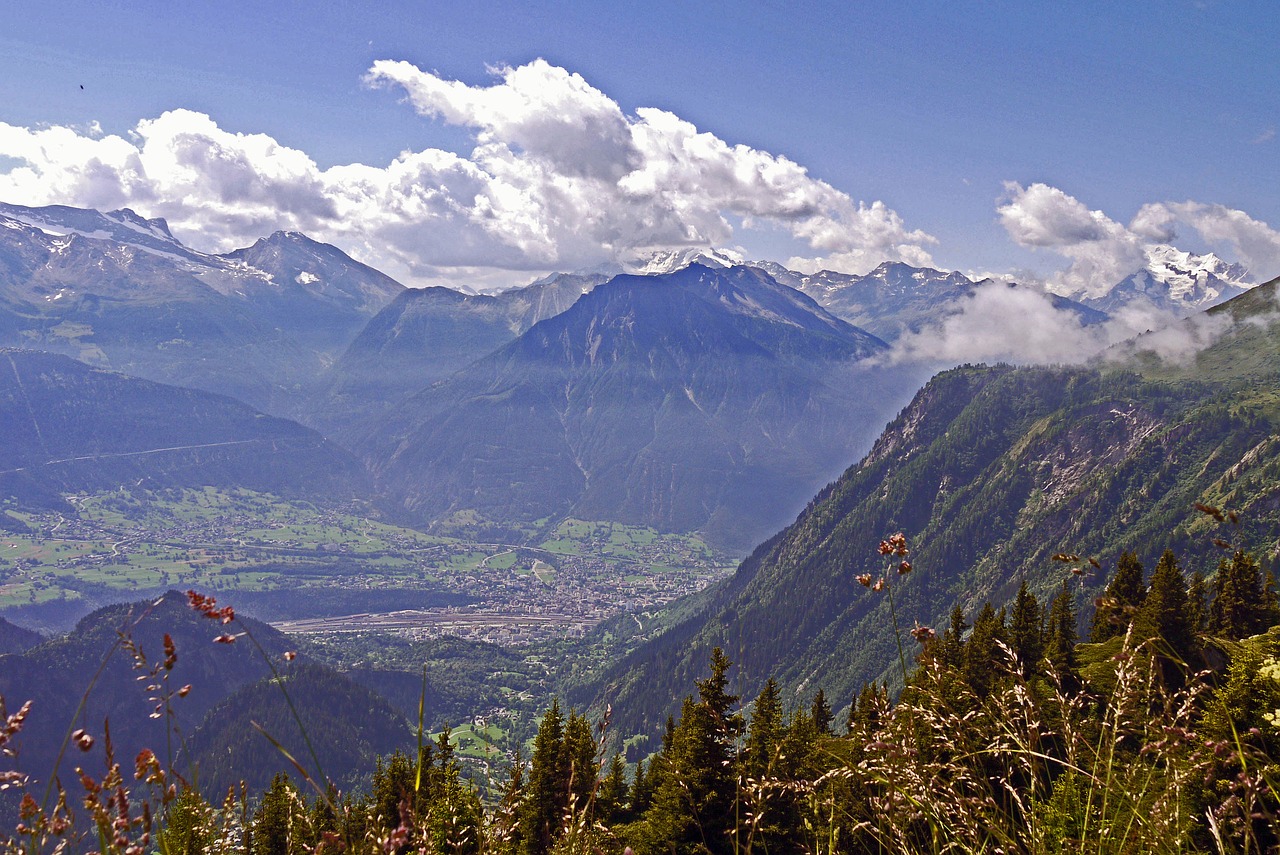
(699, 393)
(70, 428)
(119, 291)
(896, 298)
(422, 337)
(1173, 282)
(990, 471)
(712, 400)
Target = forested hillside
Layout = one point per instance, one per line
(991, 471)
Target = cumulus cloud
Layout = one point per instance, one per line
(1103, 251)
(559, 178)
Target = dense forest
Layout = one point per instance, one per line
(1158, 732)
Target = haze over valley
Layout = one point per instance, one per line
(536, 382)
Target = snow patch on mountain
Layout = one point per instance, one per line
(1174, 281)
(671, 260)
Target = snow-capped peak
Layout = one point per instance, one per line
(1175, 281)
(671, 260)
(1182, 270)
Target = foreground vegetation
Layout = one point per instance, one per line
(1160, 733)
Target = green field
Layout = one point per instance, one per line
(236, 540)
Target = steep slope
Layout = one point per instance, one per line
(15, 639)
(1239, 341)
(989, 471)
(120, 291)
(699, 400)
(55, 675)
(348, 725)
(72, 428)
(425, 335)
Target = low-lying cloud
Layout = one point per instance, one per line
(559, 178)
(1022, 325)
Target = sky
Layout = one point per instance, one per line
(482, 145)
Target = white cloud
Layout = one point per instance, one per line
(1103, 251)
(1177, 343)
(1021, 325)
(1253, 241)
(999, 323)
(559, 178)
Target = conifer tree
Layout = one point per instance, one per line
(578, 759)
(1197, 603)
(641, 789)
(693, 799)
(981, 655)
(951, 651)
(611, 800)
(546, 795)
(274, 819)
(821, 713)
(1123, 596)
(188, 826)
(1061, 637)
(1239, 598)
(1026, 630)
(765, 732)
(1270, 601)
(1162, 620)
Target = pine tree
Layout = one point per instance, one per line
(611, 800)
(188, 825)
(981, 655)
(578, 760)
(546, 795)
(693, 799)
(1270, 602)
(1239, 598)
(1124, 594)
(273, 820)
(866, 712)
(641, 789)
(951, 651)
(1026, 630)
(765, 732)
(1061, 637)
(820, 710)
(1162, 619)
(1197, 603)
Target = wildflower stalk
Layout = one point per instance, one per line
(121, 635)
(897, 636)
(207, 606)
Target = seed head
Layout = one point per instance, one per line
(923, 634)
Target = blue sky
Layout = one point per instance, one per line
(926, 108)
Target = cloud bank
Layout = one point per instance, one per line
(1103, 251)
(1022, 325)
(559, 178)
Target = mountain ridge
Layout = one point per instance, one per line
(630, 379)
